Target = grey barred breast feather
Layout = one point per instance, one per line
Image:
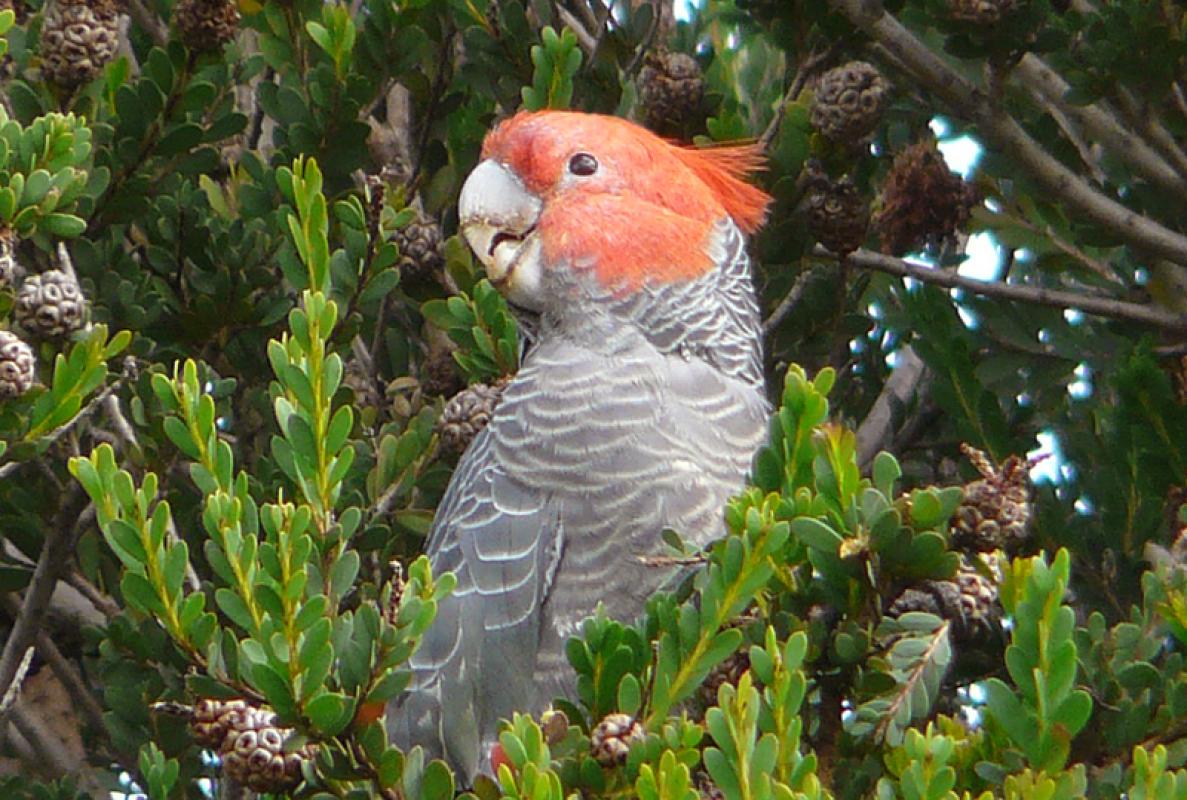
(641, 417)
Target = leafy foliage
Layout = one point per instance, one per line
(235, 461)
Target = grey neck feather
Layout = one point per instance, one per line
(714, 318)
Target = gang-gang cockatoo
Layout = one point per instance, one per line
(638, 407)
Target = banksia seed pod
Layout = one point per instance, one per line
(467, 413)
(50, 304)
(982, 12)
(671, 91)
(980, 609)
(838, 216)
(922, 200)
(253, 753)
(10, 270)
(420, 248)
(16, 365)
(706, 788)
(78, 38)
(849, 101)
(969, 601)
(995, 511)
(611, 739)
(206, 25)
(729, 671)
(212, 719)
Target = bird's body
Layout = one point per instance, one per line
(639, 408)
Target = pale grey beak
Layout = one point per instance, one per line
(498, 217)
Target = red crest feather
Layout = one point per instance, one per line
(724, 169)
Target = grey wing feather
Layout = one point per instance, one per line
(502, 541)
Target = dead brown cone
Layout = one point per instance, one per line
(442, 377)
(995, 511)
(671, 91)
(17, 366)
(421, 253)
(922, 200)
(838, 216)
(849, 101)
(254, 753)
(467, 413)
(968, 601)
(206, 25)
(611, 739)
(982, 12)
(78, 39)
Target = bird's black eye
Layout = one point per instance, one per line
(583, 164)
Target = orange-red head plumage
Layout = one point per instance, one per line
(646, 213)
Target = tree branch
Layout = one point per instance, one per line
(67, 674)
(1004, 132)
(149, 22)
(1102, 125)
(788, 302)
(59, 542)
(1141, 117)
(908, 381)
(1036, 295)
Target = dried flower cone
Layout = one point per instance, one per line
(206, 25)
(78, 39)
(16, 366)
(213, 719)
(838, 216)
(969, 601)
(922, 200)
(671, 91)
(253, 752)
(611, 739)
(996, 509)
(467, 413)
(849, 102)
(421, 254)
(50, 304)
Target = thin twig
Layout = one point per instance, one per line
(1100, 123)
(587, 41)
(1067, 248)
(806, 69)
(788, 302)
(1036, 295)
(1142, 117)
(1003, 132)
(148, 21)
(58, 432)
(102, 603)
(14, 689)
